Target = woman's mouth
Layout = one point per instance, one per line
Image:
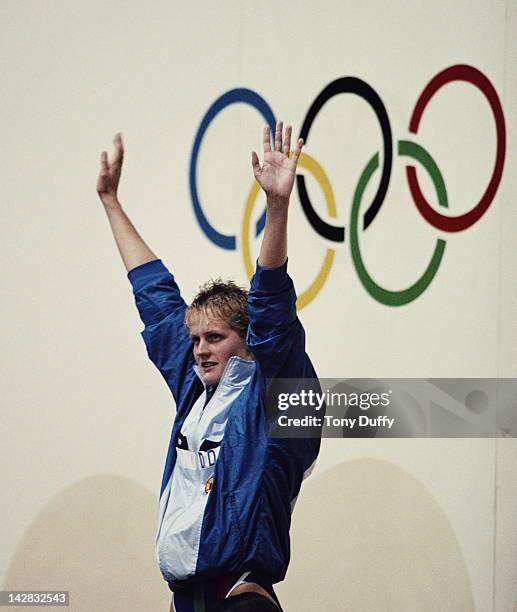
(206, 365)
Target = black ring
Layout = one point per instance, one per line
(362, 89)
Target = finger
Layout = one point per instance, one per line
(255, 163)
(266, 137)
(104, 163)
(118, 154)
(297, 151)
(278, 135)
(287, 141)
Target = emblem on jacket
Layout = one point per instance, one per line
(209, 484)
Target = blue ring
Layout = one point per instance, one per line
(246, 96)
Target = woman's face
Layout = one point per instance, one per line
(214, 343)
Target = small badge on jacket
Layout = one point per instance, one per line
(209, 484)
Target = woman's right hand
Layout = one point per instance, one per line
(107, 183)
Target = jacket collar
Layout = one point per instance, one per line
(237, 373)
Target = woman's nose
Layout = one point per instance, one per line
(202, 347)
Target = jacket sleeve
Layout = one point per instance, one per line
(277, 339)
(275, 335)
(162, 310)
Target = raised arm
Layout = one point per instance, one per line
(275, 335)
(157, 296)
(133, 250)
(276, 177)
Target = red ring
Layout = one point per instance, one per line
(460, 72)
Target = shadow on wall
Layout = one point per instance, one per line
(96, 540)
(371, 538)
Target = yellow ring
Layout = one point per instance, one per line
(310, 164)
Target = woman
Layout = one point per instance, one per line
(228, 488)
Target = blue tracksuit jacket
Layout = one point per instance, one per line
(244, 523)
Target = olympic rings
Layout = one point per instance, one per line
(460, 72)
(310, 164)
(397, 298)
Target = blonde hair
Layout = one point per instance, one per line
(223, 300)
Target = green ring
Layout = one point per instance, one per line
(404, 296)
